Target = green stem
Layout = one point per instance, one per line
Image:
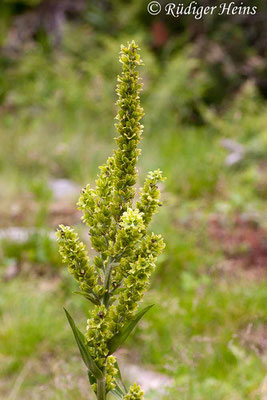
(107, 283)
(101, 389)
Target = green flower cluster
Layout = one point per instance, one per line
(111, 373)
(136, 274)
(150, 195)
(99, 331)
(126, 253)
(74, 255)
(135, 393)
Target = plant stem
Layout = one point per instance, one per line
(107, 283)
(101, 389)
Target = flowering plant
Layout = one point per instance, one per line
(116, 279)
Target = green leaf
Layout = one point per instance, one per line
(119, 380)
(122, 335)
(80, 340)
(88, 297)
(117, 394)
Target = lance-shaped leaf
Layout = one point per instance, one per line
(117, 393)
(119, 380)
(125, 331)
(80, 340)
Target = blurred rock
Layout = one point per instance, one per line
(14, 233)
(11, 272)
(237, 151)
(20, 234)
(148, 380)
(63, 188)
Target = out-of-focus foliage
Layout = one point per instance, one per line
(233, 47)
(39, 250)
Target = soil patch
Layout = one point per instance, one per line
(243, 242)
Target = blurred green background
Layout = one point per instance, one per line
(205, 90)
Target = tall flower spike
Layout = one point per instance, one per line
(116, 280)
(128, 127)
